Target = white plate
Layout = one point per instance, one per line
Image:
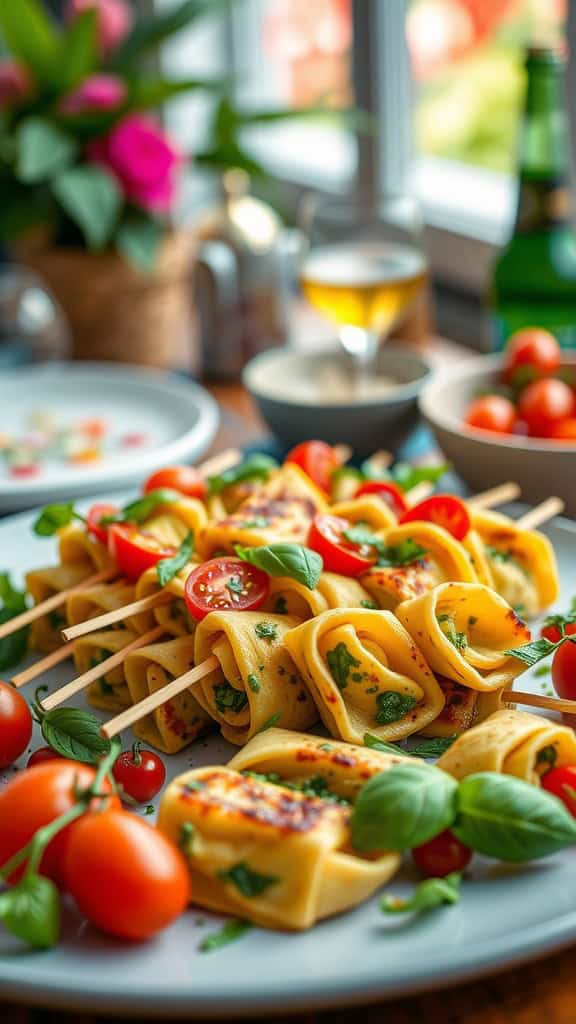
(177, 417)
(506, 916)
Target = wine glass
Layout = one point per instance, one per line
(363, 266)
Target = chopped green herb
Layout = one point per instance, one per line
(229, 932)
(56, 620)
(168, 568)
(542, 670)
(326, 747)
(266, 630)
(405, 553)
(149, 809)
(369, 603)
(472, 620)
(194, 784)
(235, 585)
(430, 894)
(392, 706)
(385, 748)
(548, 755)
(105, 688)
(371, 689)
(258, 523)
(186, 838)
(249, 883)
(281, 606)
(271, 722)
(433, 747)
(340, 662)
(457, 639)
(253, 682)
(226, 698)
(316, 786)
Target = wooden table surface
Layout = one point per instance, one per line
(539, 993)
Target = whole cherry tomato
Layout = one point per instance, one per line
(564, 670)
(442, 855)
(15, 725)
(184, 479)
(96, 527)
(564, 430)
(327, 537)
(127, 878)
(444, 510)
(35, 798)
(492, 412)
(140, 774)
(562, 783)
(551, 631)
(42, 755)
(388, 491)
(318, 460)
(134, 551)
(544, 403)
(225, 584)
(532, 352)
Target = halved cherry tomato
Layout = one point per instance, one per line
(318, 460)
(184, 479)
(565, 430)
(42, 755)
(225, 584)
(564, 670)
(339, 555)
(98, 529)
(133, 551)
(552, 632)
(390, 493)
(544, 403)
(127, 877)
(562, 783)
(442, 855)
(15, 725)
(531, 349)
(140, 774)
(491, 412)
(444, 510)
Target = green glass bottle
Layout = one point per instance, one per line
(534, 278)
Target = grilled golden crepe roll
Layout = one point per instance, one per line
(367, 509)
(294, 849)
(77, 546)
(179, 721)
(288, 597)
(327, 767)
(257, 683)
(445, 559)
(522, 562)
(170, 523)
(463, 708)
(173, 615)
(365, 674)
(110, 692)
(463, 631)
(476, 549)
(105, 597)
(514, 743)
(43, 583)
(281, 510)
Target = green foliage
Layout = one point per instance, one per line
(42, 149)
(92, 199)
(32, 38)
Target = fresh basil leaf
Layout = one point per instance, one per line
(31, 911)
(293, 560)
(362, 536)
(403, 807)
(536, 651)
(12, 647)
(53, 517)
(168, 568)
(229, 932)
(255, 467)
(385, 748)
(504, 817)
(392, 706)
(433, 747)
(266, 630)
(141, 509)
(249, 883)
(430, 894)
(405, 553)
(74, 734)
(407, 476)
(227, 698)
(12, 599)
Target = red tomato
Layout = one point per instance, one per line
(564, 670)
(562, 783)
(318, 460)
(565, 430)
(492, 412)
(134, 551)
(389, 492)
(25, 469)
(552, 632)
(339, 554)
(184, 479)
(531, 349)
(42, 755)
(442, 855)
(15, 725)
(544, 403)
(139, 773)
(225, 584)
(93, 521)
(35, 798)
(127, 878)
(444, 510)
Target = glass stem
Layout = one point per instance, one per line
(362, 346)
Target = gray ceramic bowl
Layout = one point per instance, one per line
(541, 468)
(277, 381)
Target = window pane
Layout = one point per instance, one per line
(467, 62)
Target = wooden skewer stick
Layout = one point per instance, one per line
(42, 666)
(495, 496)
(145, 604)
(159, 697)
(419, 493)
(541, 513)
(343, 452)
(75, 685)
(53, 602)
(220, 462)
(536, 700)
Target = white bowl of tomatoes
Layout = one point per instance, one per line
(510, 417)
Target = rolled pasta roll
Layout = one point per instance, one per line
(464, 631)
(514, 743)
(444, 559)
(175, 724)
(281, 510)
(110, 692)
(463, 708)
(257, 683)
(77, 546)
(476, 549)
(43, 583)
(368, 509)
(288, 597)
(365, 674)
(294, 848)
(522, 562)
(170, 523)
(173, 616)
(327, 768)
(104, 597)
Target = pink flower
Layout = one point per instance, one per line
(99, 92)
(143, 160)
(15, 83)
(114, 18)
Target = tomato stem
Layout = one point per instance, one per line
(136, 755)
